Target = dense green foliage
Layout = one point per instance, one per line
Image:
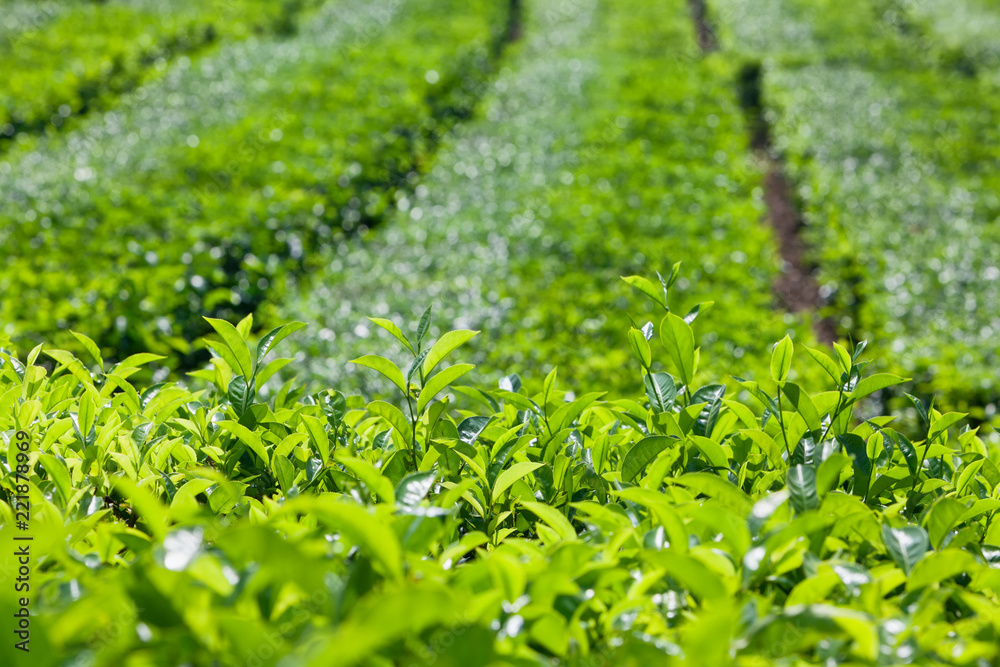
(598, 153)
(553, 465)
(212, 524)
(901, 202)
(60, 58)
(199, 193)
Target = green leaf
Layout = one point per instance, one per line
(59, 474)
(552, 517)
(137, 360)
(393, 618)
(825, 362)
(149, 508)
(678, 337)
(438, 382)
(72, 364)
(909, 454)
(647, 287)
(241, 395)
(640, 346)
(375, 537)
(511, 475)
(967, 475)
(675, 272)
(416, 364)
(698, 308)
(693, 574)
(424, 325)
(86, 415)
(235, 344)
(921, 409)
(781, 359)
(317, 433)
(368, 475)
(414, 488)
(754, 390)
(283, 471)
(803, 404)
(642, 454)
(566, 413)
(843, 358)
(549, 385)
(720, 489)
(244, 326)
(828, 473)
(273, 337)
(772, 450)
(660, 390)
(712, 452)
(396, 332)
(937, 567)
(444, 346)
(394, 416)
(801, 482)
(943, 423)
(857, 449)
(267, 372)
(942, 517)
(385, 367)
(90, 346)
(906, 545)
(873, 383)
(247, 437)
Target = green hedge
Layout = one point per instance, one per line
(888, 134)
(205, 190)
(208, 523)
(59, 59)
(609, 146)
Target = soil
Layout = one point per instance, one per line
(795, 288)
(706, 36)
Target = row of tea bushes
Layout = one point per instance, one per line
(59, 59)
(904, 209)
(212, 525)
(894, 162)
(609, 146)
(965, 29)
(202, 190)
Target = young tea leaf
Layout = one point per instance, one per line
(906, 545)
(801, 481)
(678, 337)
(781, 359)
(235, 343)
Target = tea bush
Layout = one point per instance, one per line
(61, 58)
(201, 190)
(899, 200)
(211, 522)
(607, 146)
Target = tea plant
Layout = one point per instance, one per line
(53, 69)
(581, 168)
(221, 524)
(898, 201)
(201, 192)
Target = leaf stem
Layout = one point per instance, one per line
(784, 433)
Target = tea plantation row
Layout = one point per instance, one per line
(900, 201)
(201, 191)
(608, 144)
(213, 524)
(60, 58)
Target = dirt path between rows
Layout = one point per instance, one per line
(703, 28)
(796, 287)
